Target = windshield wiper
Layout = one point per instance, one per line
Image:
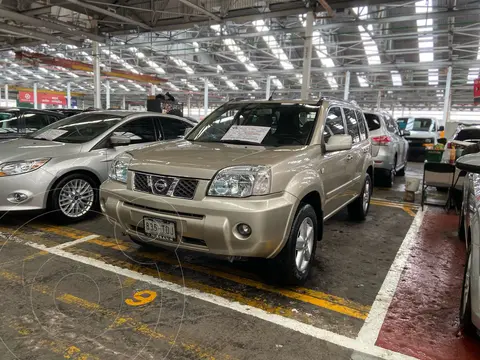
(240, 142)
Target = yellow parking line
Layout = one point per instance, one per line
(408, 208)
(198, 351)
(317, 298)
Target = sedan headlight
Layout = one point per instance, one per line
(118, 170)
(241, 181)
(428, 141)
(21, 167)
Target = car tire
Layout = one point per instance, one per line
(466, 302)
(291, 266)
(358, 209)
(73, 197)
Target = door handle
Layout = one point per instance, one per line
(349, 157)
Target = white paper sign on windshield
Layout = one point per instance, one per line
(52, 134)
(254, 134)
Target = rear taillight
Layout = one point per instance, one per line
(381, 140)
(449, 145)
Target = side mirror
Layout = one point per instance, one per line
(469, 163)
(441, 128)
(118, 140)
(339, 143)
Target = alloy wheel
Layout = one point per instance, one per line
(366, 195)
(76, 198)
(304, 244)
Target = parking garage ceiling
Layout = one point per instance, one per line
(400, 48)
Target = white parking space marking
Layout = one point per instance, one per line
(309, 330)
(74, 242)
(371, 328)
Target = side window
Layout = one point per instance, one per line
(139, 130)
(35, 121)
(173, 129)
(361, 123)
(352, 125)
(333, 124)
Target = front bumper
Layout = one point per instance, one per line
(34, 184)
(205, 224)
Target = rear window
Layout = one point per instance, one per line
(373, 121)
(468, 135)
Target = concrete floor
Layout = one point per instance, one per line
(103, 297)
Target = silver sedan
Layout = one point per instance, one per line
(389, 147)
(61, 166)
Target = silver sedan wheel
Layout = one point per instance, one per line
(76, 198)
(466, 285)
(366, 195)
(304, 244)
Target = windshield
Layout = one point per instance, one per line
(8, 122)
(78, 128)
(268, 124)
(415, 124)
(472, 135)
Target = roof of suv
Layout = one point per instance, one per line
(298, 101)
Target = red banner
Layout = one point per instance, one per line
(42, 98)
(476, 91)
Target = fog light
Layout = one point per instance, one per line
(244, 229)
(17, 197)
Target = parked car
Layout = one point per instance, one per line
(389, 147)
(68, 112)
(469, 230)
(18, 122)
(464, 136)
(424, 132)
(254, 179)
(61, 166)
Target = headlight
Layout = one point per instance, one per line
(21, 167)
(241, 181)
(118, 170)
(428, 141)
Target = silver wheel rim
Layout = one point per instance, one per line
(466, 285)
(366, 195)
(304, 244)
(76, 198)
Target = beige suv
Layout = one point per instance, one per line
(254, 179)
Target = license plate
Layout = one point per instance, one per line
(159, 229)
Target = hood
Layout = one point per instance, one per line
(203, 160)
(25, 149)
(420, 135)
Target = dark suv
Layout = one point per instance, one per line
(18, 122)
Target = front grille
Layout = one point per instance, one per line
(165, 185)
(416, 142)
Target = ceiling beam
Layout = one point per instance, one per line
(103, 11)
(43, 10)
(35, 34)
(201, 10)
(65, 30)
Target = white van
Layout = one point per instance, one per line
(423, 132)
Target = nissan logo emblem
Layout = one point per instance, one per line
(160, 185)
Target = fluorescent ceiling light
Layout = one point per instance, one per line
(235, 49)
(273, 45)
(229, 83)
(11, 72)
(433, 77)
(253, 84)
(182, 64)
(396, 78)
(362, 80)
(369, 45)
(123, 87)
(172, 86)
(22, 77)
(322, 53)
(474, 73)
(196, 46)
(425, 42)
(38, 76)
(278, 84)
(8, 78)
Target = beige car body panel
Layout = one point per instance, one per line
(297, 171)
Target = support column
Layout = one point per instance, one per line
(69, 96)
(124, 105)
(205, 98)
(307, 56)
(153, 89)
(447, 102)
(107, 94)
(269, 84)
(189, 99)
(6, 95)
(35, 96)
(347, 86)
(97, 102)
(379, 99)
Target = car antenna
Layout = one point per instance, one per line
(271, 95)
